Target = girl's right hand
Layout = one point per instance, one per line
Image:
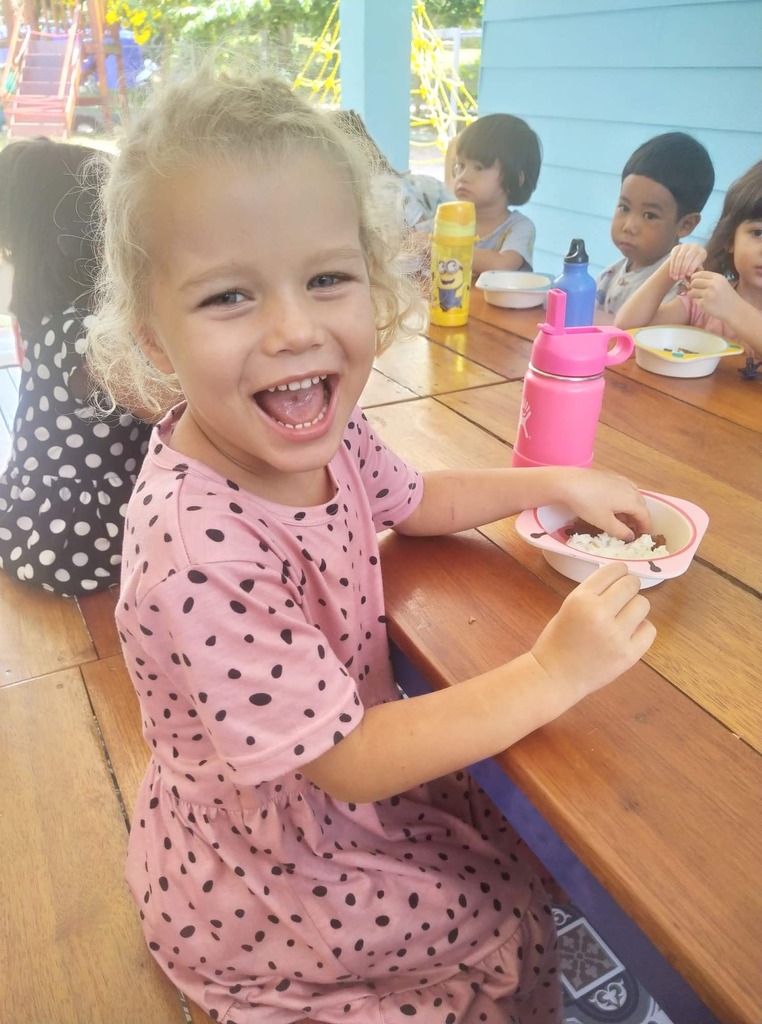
(599, 632)
(685, 260)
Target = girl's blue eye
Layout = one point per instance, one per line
(326, 280)
(229, 298)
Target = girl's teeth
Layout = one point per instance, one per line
(298, 385)
(301, 426)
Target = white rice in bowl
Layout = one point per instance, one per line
(612, 547)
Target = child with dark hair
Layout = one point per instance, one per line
(723, 292)
(665, 184)
(70, 473)
(497, 166)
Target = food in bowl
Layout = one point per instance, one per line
(584, 536)
(675, 351)
(514, 289)
(644, 546)
(679, 524)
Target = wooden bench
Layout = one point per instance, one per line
(70, 940)
(73, 757)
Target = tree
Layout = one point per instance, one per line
(454, 13)
(274, 20)
(212, 20)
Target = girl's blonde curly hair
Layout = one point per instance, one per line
(216, 112)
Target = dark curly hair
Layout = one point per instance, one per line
(510, 141)
(48, 200)
(743, 201)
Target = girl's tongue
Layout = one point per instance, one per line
(297, 404)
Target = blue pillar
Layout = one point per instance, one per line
(375, 42)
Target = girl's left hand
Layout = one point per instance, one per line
(713, 294)
(607, 500)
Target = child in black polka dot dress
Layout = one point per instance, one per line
(305, 843)
(64, 490)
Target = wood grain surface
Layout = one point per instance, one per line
(653, 794)
(72, 949)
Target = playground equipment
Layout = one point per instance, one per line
(440, 101)
(47, 45)
(323, 63)
(445, 100)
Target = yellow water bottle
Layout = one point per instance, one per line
(452, 251)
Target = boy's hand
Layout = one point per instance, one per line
(685, 260)
(599, 632)
(609, 501)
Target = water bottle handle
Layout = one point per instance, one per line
(622, 349)
(555, 311)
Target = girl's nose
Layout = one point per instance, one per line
(291, 325)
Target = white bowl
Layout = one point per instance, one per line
(680, 351)
(514, 289)
(682, 523)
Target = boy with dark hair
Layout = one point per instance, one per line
(665, 184)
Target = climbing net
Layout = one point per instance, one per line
(319, 75)
(439, 100)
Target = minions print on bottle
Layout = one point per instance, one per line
(452, 252)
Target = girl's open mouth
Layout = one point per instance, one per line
(299, 404)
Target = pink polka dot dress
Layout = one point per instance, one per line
(255, 636)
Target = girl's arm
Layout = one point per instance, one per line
(509, 259)
(455, 500)
(600, 631)
(645, 307)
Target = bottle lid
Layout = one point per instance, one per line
(456, 221)
(576, 253)
(576, 351)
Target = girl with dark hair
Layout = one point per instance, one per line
(723, 292)
(70, 471)
(497, 166)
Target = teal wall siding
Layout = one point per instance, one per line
(375, 71)
(596, 78)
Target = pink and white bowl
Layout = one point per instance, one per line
(682, 523)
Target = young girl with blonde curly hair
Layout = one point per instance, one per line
(305, 843)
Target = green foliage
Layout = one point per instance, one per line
(455, 13)
(213, 20)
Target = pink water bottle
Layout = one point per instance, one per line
(563, 389)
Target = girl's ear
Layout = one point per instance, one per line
(152, 349)
(688, 224)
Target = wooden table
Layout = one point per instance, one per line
(654, 783)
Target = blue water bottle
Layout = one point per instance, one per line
(578, 285)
